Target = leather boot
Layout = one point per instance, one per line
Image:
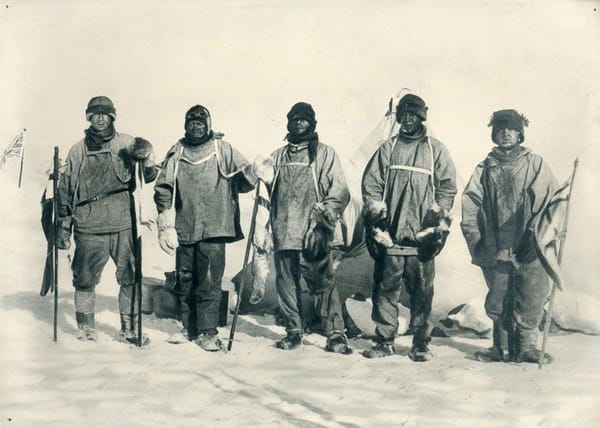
(129, 333)
(420, 350)
(500, 346)
(528, 352)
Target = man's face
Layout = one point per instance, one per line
(100, 121)
(507, 138)
(410, 123)
(196, 128)
(299, 126)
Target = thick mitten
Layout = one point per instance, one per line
(141, 149)
(167, 235)
(377, 237)
(318, 239)
(526, 251)
(63, 233)
(263, 168)
(433, 233)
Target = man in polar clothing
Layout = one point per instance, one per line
(196, 195)
(500, 207)
(94, 199)
(408, 181)
(308, 194)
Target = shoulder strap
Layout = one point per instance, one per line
(177, 156)
(310, 165)
(76, 187)
(430, 172)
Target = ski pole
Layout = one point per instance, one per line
(55, 240)
(244, 273)
(138, 249)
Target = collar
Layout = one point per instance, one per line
(295, 148)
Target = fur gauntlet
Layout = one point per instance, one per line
(263, 169)
(377, 237)
(63, 233)
(433, 233)
(167, 235)
(318, 239)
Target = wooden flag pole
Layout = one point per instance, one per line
(22, 156)
(560, 255)
(244, 271)
(55, 240)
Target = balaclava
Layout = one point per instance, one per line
(304, 111)
(202, 114)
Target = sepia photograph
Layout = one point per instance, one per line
(328, 213)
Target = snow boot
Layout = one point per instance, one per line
(179, 337)
(381, 349)
(528, 353)
(128, 333)
(86, 326)
(209, 342)
(338, 343)
(289, 342)
(420, 351)
(500, 348)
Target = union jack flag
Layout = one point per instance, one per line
(13, 150)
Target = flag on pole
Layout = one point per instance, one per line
(551, 230)
(14, 149)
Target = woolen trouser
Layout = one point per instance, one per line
(200, 268)
(291, 268)
(391, 275)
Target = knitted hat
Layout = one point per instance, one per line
(99, 105)
(413, 104)
(304, 111)
(510, 119)
(198, 112)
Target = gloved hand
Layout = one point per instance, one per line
(141, 149)
(377, 236)
(263, 168)
(526, 251)
(318, 238)
(167, 235)
(63, 233)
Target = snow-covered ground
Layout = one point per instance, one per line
(107, 383)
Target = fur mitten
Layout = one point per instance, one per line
(63, 233)
(377, 236)
(433, 233)
(263, 168)
(141, 149)
(167, 235)
(318, 239)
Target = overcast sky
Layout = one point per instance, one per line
(248, 62)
